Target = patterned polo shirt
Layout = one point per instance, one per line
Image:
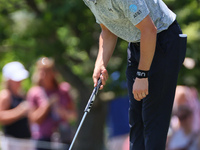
(121, 16)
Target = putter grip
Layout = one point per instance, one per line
(92, 97)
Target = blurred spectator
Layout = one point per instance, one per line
(117, 122)
(13, 108)
(51, 107)
(185, 122)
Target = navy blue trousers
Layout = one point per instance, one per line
(149, 118)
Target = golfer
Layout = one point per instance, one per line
(156, 51)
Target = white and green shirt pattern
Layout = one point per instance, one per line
(121, 16)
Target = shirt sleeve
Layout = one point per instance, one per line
(88, 5)
(136, 10)
(97, 21)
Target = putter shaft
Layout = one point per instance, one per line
(86, 111)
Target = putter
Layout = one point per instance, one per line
(87, 110)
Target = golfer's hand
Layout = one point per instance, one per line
(140, 88)
(100, 73)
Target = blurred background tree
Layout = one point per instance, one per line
(66, 31)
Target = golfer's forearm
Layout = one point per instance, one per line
(147, 49)
(107, 42)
